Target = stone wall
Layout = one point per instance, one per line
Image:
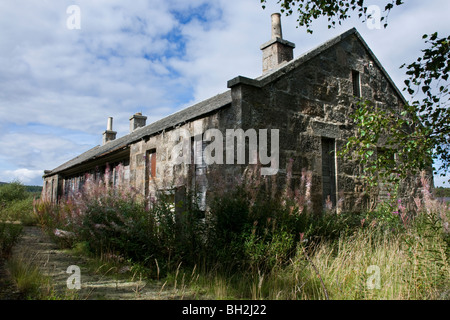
(314, 101)
(170, 176)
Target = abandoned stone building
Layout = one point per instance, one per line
(307, 100)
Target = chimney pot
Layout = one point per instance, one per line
(109, 134)
(276, 26)
(110, 124)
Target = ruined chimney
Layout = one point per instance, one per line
(277, 50)
(137, 121)
(109, 134)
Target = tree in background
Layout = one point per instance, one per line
(417, 135)
(335, 11)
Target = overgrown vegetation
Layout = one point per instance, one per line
(253, 246)
(441, 192)
(15, 210)
(249, 245)
(9, 234)
(16, 202)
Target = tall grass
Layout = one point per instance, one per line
(9, 235)
(366, 265)
(253, 245)
(15, 210)
(371, 263)
(31, 283)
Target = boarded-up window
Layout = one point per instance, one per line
(200, 183)
(328, 171)
(150, 170)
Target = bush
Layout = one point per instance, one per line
(20, 210)
(243, 230)
(112, 222)
(12, 191)
(9, 235)
(120, 222)
(255, 231)
(16, 203)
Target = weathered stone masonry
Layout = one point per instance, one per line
(308, 99)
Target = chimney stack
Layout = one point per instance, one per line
(109, 134)
(277, 50)
(137, 121)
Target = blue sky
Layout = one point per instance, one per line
(59, 86)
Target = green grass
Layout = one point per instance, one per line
(19, 210)
(30, 281)
(9, 235)
(251, 246)
(368, 265)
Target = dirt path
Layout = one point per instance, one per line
(53, 262)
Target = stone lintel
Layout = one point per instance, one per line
(323, 129)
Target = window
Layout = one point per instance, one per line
(356, 79)
(150, 171)
(328, 171)
(199, 181)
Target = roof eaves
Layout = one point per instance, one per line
(197, 110)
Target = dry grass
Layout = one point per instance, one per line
(369, 265)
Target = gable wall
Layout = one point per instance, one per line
(312, 102)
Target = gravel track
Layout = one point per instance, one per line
(37, 247)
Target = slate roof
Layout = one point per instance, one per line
(200, 109)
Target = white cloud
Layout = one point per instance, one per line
(54, 75)
(38, 151)
(25, 176)
(150, 56)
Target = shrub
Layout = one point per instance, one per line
(20, 210)
(120, 222)
(12, 191)
(9, 235)
(253, 230)
(16, 203)
(108, 221)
